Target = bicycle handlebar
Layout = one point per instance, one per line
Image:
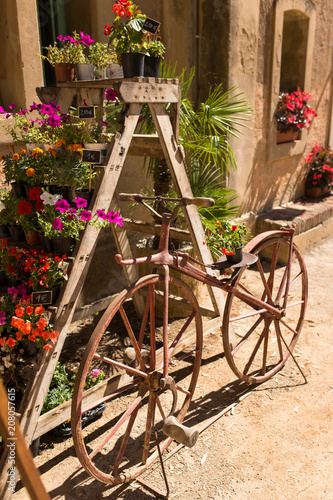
(199, 202)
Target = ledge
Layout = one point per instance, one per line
(311, 218)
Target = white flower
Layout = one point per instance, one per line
(50, 199)
(6, 360)
(2, 206)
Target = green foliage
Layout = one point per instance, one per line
(61, 387)
(8, 207)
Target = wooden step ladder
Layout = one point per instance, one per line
(134, 93)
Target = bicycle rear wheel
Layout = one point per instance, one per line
(145, 386)
(264, 343)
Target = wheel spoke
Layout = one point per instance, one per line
(247, 335)
(120, 422)
(255, 350)
(278, 338)
(121, 365)
(152, 327)
(132, 337)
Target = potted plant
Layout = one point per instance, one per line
(127, 37)
(64, 224)
(320, 171)
(226, 238)
(101, 55)
(64, 58)
(154, 56)
(293, 114)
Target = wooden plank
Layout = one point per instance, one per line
(103, 84)
(62, 413)
(151, 228)
(18, 455)
(173, 155)
(146, 145)
(134, 92)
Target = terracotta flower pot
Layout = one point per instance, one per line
(65, 72)
(33, 238)
(317, 192)
(288, 136)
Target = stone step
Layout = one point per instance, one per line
(311, 218)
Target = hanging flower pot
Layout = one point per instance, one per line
(133, 64)
(65, 72)
(288, 136)
(85, 72)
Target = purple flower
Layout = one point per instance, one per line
(71, 214)
(2, 110)
(23, 112)
(57, 224)
(95, 372)
(104, 123)
(12, 106)
(86, 39)
(3, 319)
(111, 95)
(101, 214)
(54, 121)
(62, 205)
(13, 291)
(81, 202)
(85, 215)
(115, 217)
(34, 107)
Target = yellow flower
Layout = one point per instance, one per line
(37, 151)
(23, 151)
(30, 172)
(75, 147)
(60, 143)
(15, 156)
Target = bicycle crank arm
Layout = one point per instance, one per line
(179, 432)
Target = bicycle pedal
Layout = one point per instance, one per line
(129, 355)
(181, 433)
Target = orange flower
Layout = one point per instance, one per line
(19, 312)
(2, 341)
(41, 323)
(26, 328)
(30, 172)
(23, 151)
(15, 156)
(60, 143)
(11, 342)
(17, 322)
(39, 310)
(11, 147)
(18, 336)
(29, 310)
(47, 347)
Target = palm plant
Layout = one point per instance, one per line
(204, 134)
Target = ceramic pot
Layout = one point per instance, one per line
(152, 66)
(113, 71)
(236, 257)
(85, 71)
(133, 64)
(100, 74)
(65, 72)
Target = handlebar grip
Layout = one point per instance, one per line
(200, 202)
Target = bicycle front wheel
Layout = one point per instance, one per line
(263, 343)
(149, 380)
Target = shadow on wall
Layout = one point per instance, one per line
(273, 183)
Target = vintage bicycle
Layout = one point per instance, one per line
(154, 367)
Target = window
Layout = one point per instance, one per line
(294, 49)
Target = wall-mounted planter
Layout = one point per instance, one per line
(288, 136)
